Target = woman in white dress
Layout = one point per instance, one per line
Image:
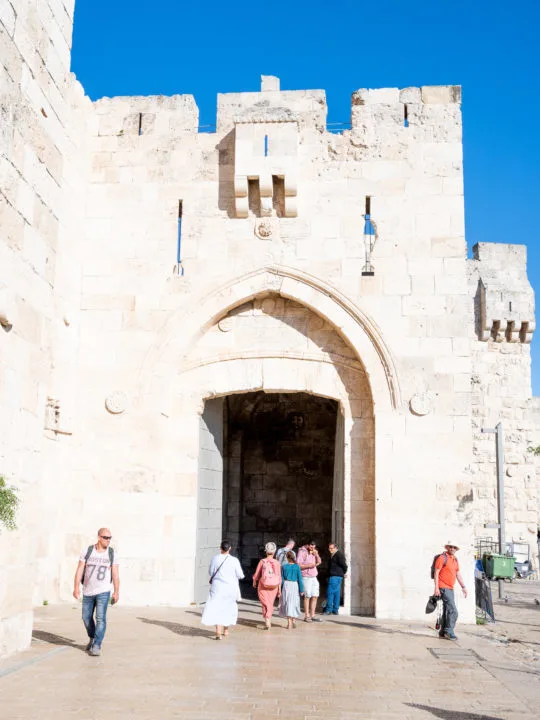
(221, 609)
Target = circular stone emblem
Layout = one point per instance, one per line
(420, 404)
(225, 324)
(116, 402)
(263, 229)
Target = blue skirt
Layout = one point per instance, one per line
(289, 605)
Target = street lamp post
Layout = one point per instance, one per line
(497, 431)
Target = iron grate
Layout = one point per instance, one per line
(455, 654)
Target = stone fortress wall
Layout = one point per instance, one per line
(116, 337)
(42, 129)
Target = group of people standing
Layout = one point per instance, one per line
(280, 575)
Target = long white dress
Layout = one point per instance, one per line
(221, 607)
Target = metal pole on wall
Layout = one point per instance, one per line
(497, 431)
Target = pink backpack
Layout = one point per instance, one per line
(269, 576)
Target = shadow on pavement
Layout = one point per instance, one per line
(452, 714)
(178, 629)
(53, 639)
(246, 622)
(386, 631)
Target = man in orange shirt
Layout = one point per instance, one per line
(446, 573)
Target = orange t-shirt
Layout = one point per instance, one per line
(448, 572)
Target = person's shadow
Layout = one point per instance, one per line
(178, 629)
(53, 639)
(452, 714)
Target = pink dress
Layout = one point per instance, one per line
(267, 595)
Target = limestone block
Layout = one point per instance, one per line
(423, 285)
(441, 94)
(269, 83)
(15, 631)
(451, 285)
(410, 95)
(425, 306)
(7, 18)
(396, 284)
(453, 246)
(381, 96)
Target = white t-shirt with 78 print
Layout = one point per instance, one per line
(97, 576)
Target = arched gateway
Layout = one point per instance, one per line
(277, 396)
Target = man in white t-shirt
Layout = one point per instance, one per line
(96, 571)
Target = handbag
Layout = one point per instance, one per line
(219, 568)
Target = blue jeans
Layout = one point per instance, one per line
(450, 613)
(333, 594)
(99, 603)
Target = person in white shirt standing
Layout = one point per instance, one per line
(96, 571)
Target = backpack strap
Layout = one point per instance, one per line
(111, 558)
(86, 558)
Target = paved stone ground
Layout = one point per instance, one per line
(159, 663)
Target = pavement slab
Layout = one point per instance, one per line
(160, 663)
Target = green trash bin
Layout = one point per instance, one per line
(498, 566)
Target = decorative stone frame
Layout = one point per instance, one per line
(366, 392)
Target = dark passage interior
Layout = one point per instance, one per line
(278, 472)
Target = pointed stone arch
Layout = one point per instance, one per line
(357, 328)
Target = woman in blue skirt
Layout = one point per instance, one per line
(292, 588)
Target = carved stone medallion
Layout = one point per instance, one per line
(264, 229)
(420, 404)
(225, 324)
(116, 402)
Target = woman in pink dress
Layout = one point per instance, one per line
(267, 580)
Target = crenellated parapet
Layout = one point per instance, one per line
(504, 298)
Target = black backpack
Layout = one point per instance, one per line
(435, 560)
(89, 552)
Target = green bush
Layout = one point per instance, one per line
(9, 503)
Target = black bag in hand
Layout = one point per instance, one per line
(431, 604)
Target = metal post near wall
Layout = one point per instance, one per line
(497, 431)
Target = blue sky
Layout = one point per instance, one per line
(490, 47)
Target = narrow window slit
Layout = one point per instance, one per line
(140, 128)
(368, 206)
(405, 116)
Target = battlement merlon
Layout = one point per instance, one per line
(505, 299)
(429, 114)
(306, 107)
(132, 115)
